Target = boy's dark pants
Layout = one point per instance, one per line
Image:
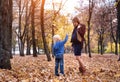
(59, 62)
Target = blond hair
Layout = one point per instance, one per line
(56, 38)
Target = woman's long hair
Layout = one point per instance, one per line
(75, 19)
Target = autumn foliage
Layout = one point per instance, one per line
(100, 68)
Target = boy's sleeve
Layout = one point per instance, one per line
(65, 40)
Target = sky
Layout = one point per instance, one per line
(68, 8)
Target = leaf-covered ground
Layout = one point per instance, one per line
(104, 68)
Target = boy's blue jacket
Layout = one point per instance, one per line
(58, 47)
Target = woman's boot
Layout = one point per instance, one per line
(82, 70)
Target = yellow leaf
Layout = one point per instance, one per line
(56, 80)
(26, 80)
(117, 75)
(84, 80)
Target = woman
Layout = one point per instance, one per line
(76, 44)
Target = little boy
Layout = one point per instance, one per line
(58, 51)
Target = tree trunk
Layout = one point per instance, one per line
(10, 27)
(118, 25)
(113, 37)
(27, 17)
(43, 32)
(89, 50)
(20, 37)
(28, 43)
(115, 41)
(101, 44)
(111, 34)
(86, 47)
(5, 29)
(21, 47)
(33, 29)
(89, 20)
(98, 45)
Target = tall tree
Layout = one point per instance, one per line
(91, 6)
(27, 17)
(112, 20)
(101, 24)
(5, 33)
(43, 31)
(33, 28)
(118, 23)
(20, 37)
(21, 30)
(10, 25)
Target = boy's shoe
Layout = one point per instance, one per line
(57, 74)
(62, 74)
